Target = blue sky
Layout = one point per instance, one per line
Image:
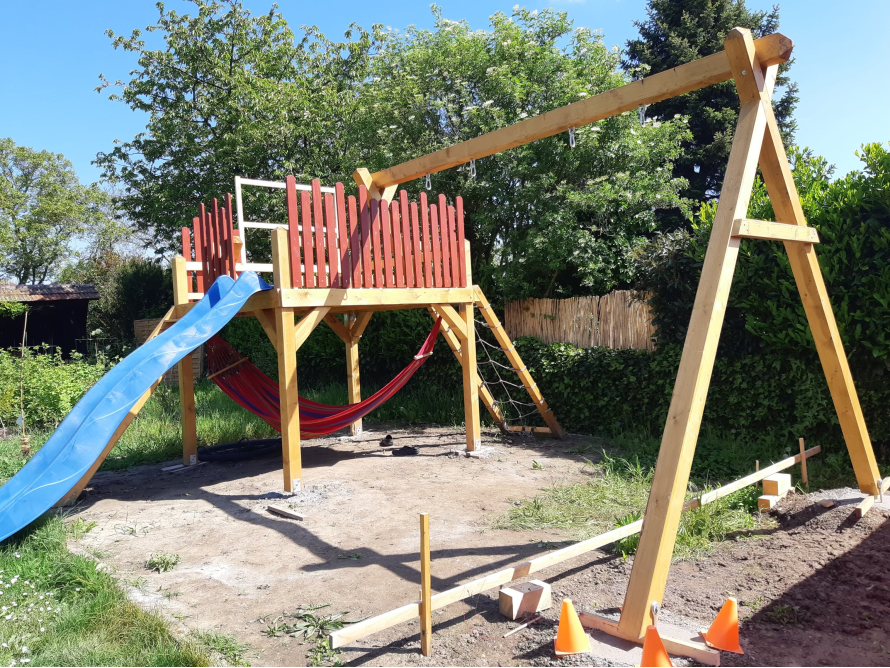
(51, 54)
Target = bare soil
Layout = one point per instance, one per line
(813, 590)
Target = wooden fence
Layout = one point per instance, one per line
(615, 320)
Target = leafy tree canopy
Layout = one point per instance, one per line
(679, 31)
(232, 93)
(44, 212)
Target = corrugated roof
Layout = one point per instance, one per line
(47, 293)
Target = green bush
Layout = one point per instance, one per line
(757, 406)
(51, 385)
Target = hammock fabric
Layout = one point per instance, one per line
(249, 387)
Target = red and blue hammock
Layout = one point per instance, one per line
(249, 387)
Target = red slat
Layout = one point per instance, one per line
(214, 231)
(446, 242)
(199, 252)
(355, 243)
(230, 226)
(387, 229)
(376, 248)
(223, 242)
(330, 221)
(293, 230)
(390, 230)
(461, 245)
(343, 237)
(437, 246)
(427, 243)
(205, 245)
(306, 211)
(455, 254)
(318, 220)
(365, 208)
(415, 244)
(407, 246)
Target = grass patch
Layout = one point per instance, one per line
(59, 610)
(225, 647)
(616, 495)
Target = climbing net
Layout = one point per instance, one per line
(493, 365)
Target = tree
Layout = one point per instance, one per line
(234, 93)
(679, 31)
(44, 209)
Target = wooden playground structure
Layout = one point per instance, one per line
(753, 66)
(381, 252)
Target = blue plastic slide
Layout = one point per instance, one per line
(80, 439)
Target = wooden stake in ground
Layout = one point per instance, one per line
(803, 465)
(426, 609)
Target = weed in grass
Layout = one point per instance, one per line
(162, 561)
(139, 583)
(223, 646)
(310, 626)
(169, 594)
(628, 545)
(783, 614)
(78, 528)
(65, 612)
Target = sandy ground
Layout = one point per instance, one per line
(813, 591)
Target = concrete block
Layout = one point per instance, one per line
(777, 484)
(526, 598)
(767, 501)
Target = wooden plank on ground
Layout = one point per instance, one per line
(285, 512)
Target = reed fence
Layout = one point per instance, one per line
(615, 320)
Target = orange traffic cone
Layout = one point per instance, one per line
(724, 631)
(654, 653)
(571, 637)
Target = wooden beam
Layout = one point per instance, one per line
(470, 378)
(357, 299)
(292, 466)
(694, 650)
(487, 399)
(817, 306)
(405, 613)
(307, 325)
(266, 318)
(362, 177)
(186, 373)
(357, 323)
(670, 83)
(864, 506)
(426, 620)
(339, 328)
(653, 557)
(747, 228)
(454, 320)
(519, 367)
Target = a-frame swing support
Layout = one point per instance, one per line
(757, 142)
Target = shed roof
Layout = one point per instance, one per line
(47, 293)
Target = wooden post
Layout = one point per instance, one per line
(426, 609)
(287, 369)
(803, 464)
(188, 419)
(357, 324)
(470, 377)
(650, 569)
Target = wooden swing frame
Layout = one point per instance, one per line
(753, 66)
